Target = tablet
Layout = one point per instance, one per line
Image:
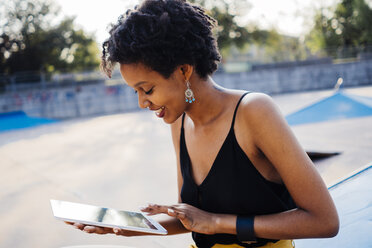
(105, 217)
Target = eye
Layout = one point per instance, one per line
(149, 91)
(135, 92)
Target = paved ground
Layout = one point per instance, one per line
(351, 137)
(124, 161)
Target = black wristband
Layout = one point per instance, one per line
(244, 228)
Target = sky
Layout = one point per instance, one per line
(290, 17)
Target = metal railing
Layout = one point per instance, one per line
(66, 95)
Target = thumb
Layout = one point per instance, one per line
(117, 231)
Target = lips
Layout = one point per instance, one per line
(160, 112)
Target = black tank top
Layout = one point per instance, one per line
(232, 186)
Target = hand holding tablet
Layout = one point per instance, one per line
(105, 220)
(106, 230)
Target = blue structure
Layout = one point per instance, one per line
(336, 107)
(19, 119)
(353, 199)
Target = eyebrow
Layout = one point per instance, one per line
(140, 83)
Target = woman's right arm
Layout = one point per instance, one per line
(171, 224)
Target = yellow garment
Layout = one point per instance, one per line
(279, 244)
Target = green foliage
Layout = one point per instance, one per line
(348, 25)
(228, 33)
(29, 42)
(279, 47)
(267, 45)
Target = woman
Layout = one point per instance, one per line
(243, 179)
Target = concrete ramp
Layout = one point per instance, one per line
(336, 107)
(352, 196)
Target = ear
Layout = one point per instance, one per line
(186, 71)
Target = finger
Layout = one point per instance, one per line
(177, 213)
(100, 230)
(90, 229)
(108, 230)
(79, 226)
(117, 231)
(181, 206)
(69, 223)
(171, 212)
(155, 209)
(151, 208)
(181, 215)
(127, 233)
(97, 229)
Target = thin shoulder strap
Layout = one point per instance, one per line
(236, 108)
(183, 118)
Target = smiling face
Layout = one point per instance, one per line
(165, 97)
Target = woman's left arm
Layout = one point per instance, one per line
(315, 215)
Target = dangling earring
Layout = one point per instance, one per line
(189, 94)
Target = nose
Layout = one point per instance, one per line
(143, 102)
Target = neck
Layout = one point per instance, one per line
(209, 104)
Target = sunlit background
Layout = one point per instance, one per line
(289, 17)
(260, 31)
(68, 132)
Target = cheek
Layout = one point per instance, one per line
(176, 105)
(175, 102)
(175, 95)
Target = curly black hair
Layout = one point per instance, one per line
(163, 34)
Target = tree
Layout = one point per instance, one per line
(228, 33)
(278, 47)
(29, 42)
(348, 25)
(272, 45)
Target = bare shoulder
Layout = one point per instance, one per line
(255, 107)
(257, 98)
(261, 119)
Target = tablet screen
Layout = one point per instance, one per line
(93, 214)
